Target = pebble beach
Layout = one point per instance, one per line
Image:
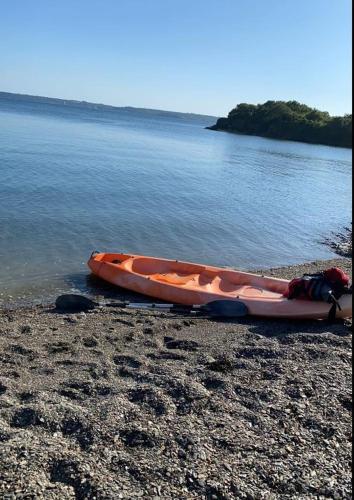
(136, 404)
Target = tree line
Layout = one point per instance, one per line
(288, 120)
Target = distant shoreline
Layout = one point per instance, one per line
(93, 105)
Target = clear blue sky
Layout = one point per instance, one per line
(200, 56)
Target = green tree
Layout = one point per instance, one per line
(288, 120)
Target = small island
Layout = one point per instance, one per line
(289, 120)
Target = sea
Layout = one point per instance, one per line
(77, 177)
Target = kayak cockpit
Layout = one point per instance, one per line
(198, 277)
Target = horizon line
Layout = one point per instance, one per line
(82, 101)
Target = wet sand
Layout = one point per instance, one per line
(136, 404)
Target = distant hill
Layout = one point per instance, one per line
(7, 97)
(288, 120)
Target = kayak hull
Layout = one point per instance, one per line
(191, 284)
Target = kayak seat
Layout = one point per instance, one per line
(126, 264)
(247, 291)
(175, 279)
(256, 292)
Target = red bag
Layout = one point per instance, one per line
(336, 276)
(320, 286)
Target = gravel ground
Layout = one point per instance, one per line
(134, 404)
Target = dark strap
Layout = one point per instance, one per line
(314, 275)
(333, 310)
(332, 313)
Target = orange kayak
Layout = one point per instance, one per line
(192, 284)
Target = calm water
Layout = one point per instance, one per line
(73, 180)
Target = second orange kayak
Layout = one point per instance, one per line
(192, 284)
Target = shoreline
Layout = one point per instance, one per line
(341, 243)
(213, 128)
(99, 288)
(143, 404)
